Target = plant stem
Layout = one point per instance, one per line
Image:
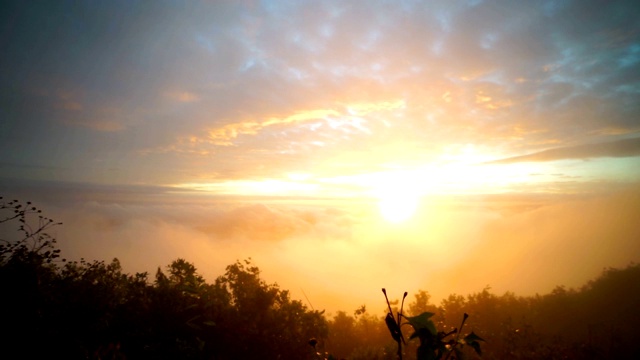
(455, 343)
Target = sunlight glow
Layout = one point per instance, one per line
(270, 187)
(399, 189)
(397, 207)
(398, 194)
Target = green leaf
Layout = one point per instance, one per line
(422, 322)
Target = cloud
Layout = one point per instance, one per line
(306, 125)
(223, 136)
(146, 234)
(618, 148)
(286, 86)
(562, 242)
(236, 92)
(341, 252)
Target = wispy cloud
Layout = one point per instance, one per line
(340, 118)
(223, 136)
(261, 89)
(619, 148)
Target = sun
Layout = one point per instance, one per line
(398, 194)
(397, 206)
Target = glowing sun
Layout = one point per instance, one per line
(398, 206)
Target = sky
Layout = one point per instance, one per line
(344, 146)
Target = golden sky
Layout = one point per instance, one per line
(343, 145)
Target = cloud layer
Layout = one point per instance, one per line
(619, 148)
(341, 253)
(172, 93)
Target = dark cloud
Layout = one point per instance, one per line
(619, 148)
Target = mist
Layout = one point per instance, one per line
(339, 252)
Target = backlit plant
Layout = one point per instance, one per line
(434, 344)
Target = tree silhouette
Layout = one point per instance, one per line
(50, 308)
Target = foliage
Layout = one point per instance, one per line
(32, 240)
(434, 344)
(438, 344)
(597, 321)
(83, 309)
(51, 308)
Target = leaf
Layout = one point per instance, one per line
(476, 346)
(422, 322)
(394, 329)
(471, 337)
(473, 340)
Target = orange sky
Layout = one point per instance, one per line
(344, 146)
